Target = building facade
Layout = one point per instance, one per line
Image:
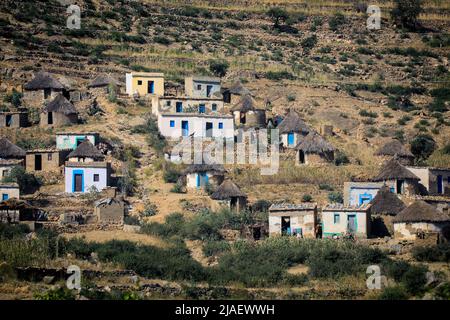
(293, 219)
(339, 220)
(8, 191)
(186, 105)
(435, 180)
(358, 193)
(10, 119)
(45, 159)
(80, 177)
(71, 140)
(202, 87)
(145, 83)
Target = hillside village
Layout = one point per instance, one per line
(92, 171)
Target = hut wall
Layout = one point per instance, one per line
(311, 158)
(429, 179)
(71, 141)
(256, 118)
(8, 192)
(50, 160)
(18, 119)
(192, 180)
(35, 98)
(59, 119)
(88, 178)
(408, 230)
(355, 193)
(297, 139)
(339, 227)
(113, 213)
(301, 221)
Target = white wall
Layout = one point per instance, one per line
(12, 192)
(129, 83)
(69, 141)
(197, 125)
(407, 231)
(330, 227)
(284, 140)
(88, 175)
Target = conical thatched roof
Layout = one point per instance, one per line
(44, 80)
(245, 104)
(10, 150)
(196, 168)
(62, 105)
(387, 203)
(238, 89)
(392, 148)
(228, 189)
(293, 123)
(104, 80)
(86, 150)
(393, 170)
(315, 143)
(421, 211)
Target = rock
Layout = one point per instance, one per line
(134, 279)
(48, 279)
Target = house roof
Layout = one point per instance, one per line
(62, 105)
(386, 202)
(214, 168)
(204, 78)
(393, 170)
(104, 80)
(97, 164)
(8, 185)
(238, 88)
(342, 207)
(106, 202)
(227, 190)
(10, 150)
(392, 148)
(44, 80)
(292, 207)
(420, 211)
(293, 123)
(86, 150)
(245, 104)
(10, 162)
(315, 143)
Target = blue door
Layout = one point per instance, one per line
(199, 183)
(290, 139)
(5, 197)
(179, 107)
(151, 87)
(184, 128)
(201, 108)
(439, 184)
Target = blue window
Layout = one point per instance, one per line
(214, 107)
(201, 108)
(172, 123)
(179, 107)
(220, 125)
(290, 139)
(337, 218)
(365, 198)
(5, 197)
(392, 189)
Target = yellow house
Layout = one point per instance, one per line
(144, 83)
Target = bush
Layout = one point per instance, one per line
(279, 75)
(219, 67)
(132, 220)
(277, 15)
(336, 197)
(214, 248)
(307, 198)
(341, 159)
(415, 279)
(422, 146)
(15, 98)
(406, 13)
(437, 253)
(336, 21)
(150, 210)
(393, 293)
(261, 206)
(397, 269)
(27, 181)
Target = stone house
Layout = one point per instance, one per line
(384, 207)
(292, 130)
(7, 165)
(81, 177)
(175, 126)
(10, 155)
(183, 104)
(110, 210)
(246, 113)
(339, 220)
(313, 149)
(59, 112)
(234, 93)
(8, 191)
(436, 181)
(401, 180)
(45, 159)
(418, 219)
(395, 149)
(13, 119)
(71, 140)
(202, 87)
(293, 219)
(228, 194)
(86, 152)
(43, 87)
(200, 175)
(102, 84)
(358, 193)
(144, 83)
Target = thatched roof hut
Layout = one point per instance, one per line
(245, 104)
(86, 150)
(238, 89)
(227, 190)
(393, 170)
(394, 148)
(9, 150)
(216, 169)
(316, 144)
(293, 123)
(44, 80)
(104, 80)
(386, 203)
(421, 211)
(61, 105)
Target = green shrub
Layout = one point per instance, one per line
(422, 146)
(56, 294)
(219, 67)
(27, 181)
(406, 13)
(150, 210)
(15, 98)
(336, 21)
(307, 198)
(279, 75)
(440, 252)
(397, 269)
(214, 248)
(393, 293)
(336, 197)
(415, 279)
(132, 220)
(341, 158)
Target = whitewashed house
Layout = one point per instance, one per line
(293, 130)
(202, 87)
(339, 220)
(198, 176)
(71, 140)
(184, 104)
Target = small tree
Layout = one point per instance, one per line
(406, 13)
(26, 181)
(219, 67)
(277, 14)
(422, 146)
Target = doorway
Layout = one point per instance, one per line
(351, 224)
(400, 186)
(78, 182)
(301, 156)
(8, 120)
(440, 184)
(184, 128)
(208, 90)
(50, 118)
(151, 87)
(285, 225)
(233, 203)
(209, 129)
(37, 162)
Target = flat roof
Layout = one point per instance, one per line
(71, 164)
(428, 168)
(196, 115)
(9, 185)
(146, 74)
(292, 207)
(203, 78)
(77, 133)
(341, 207)
(189, 98)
